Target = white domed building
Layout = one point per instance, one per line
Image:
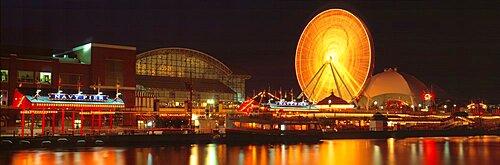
(393, 90)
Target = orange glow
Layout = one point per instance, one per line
(429, 150)
(100, 156)
(338, 37)
(36, 112)
(97, 113)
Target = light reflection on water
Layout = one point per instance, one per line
(436, 150)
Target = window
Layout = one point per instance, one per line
(4, 96)
(25, 76)
(44, 77)
(113, 72)
(5, 75)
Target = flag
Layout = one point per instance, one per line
(59, 81)
(79, 82)
(246, 106)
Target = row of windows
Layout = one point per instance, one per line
(176, 66)
(276, 126)
(113, 73)
(163, 94)
(29, 77)
(41, 77)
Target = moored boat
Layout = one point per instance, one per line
(271, 127)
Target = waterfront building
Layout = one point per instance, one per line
(333, 102)
(164, 77)
(378, 122)
(89, 69)
(392, 89)
(166, 74)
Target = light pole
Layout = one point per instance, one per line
(329, 105)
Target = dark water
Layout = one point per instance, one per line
(436, 150)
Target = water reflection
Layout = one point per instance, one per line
(456, 150)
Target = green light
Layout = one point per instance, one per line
(87, 47)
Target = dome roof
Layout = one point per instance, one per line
(393, 82)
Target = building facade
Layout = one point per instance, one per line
(168, 73)
(394, 90)
(89, 67)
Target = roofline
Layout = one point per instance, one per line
(105, 46)
(218, 64)
(98, 45)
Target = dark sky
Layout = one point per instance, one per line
(453, 45)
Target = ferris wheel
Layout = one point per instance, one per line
(334, 56)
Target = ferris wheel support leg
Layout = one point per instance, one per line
(335, 79)
(349, 92)
(310, 81)
(320, 74)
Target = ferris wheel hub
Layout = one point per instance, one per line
(330, 56)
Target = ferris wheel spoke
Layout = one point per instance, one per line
(340, 38)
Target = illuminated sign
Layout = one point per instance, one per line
(77, 97)
(291, 104)
(427, 96)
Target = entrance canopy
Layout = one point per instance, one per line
(30, 97)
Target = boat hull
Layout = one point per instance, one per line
(272, 136)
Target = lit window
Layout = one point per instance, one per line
(5, 75)
(44, 77)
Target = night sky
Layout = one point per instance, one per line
(454, 46)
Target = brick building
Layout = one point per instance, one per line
(87, 67)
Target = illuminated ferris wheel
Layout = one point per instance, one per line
(334, 55)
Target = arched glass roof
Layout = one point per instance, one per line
(180, 62)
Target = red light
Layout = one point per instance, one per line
(427, 96)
